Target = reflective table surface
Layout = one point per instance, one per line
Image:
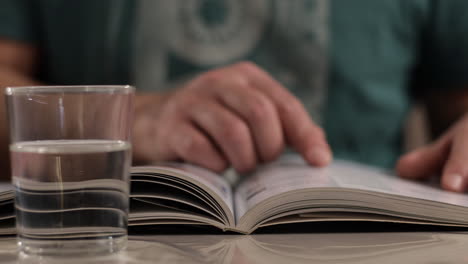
(375, 247)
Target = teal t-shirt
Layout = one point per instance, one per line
(352, 63)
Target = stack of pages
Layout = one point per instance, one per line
(284, 192)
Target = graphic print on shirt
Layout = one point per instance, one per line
(177, 39)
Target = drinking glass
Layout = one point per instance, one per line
(70, 159)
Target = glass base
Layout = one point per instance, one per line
(83, 247)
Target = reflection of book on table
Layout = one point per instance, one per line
(357, 248)
(287, 191)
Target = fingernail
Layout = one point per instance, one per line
(456, 182)
(319, 156)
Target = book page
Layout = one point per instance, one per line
(287, 174)
(292, 173)
(356, 176)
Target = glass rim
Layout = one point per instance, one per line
(17, 90)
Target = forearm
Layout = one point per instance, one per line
(8, 77)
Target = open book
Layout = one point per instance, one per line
(283, 192)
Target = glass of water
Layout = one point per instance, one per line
(70, 157)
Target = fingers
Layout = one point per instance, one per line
(424, 162)
(231, 134)
(191, 145)
(179, 140)
(299, 130)
(259, 113)
(304, 136)
(448, 155)
(236, 116)
(455, 172)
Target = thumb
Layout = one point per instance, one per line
(425, 161)
(455, 172)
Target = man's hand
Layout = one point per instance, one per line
(234, 116)
(447, 156)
